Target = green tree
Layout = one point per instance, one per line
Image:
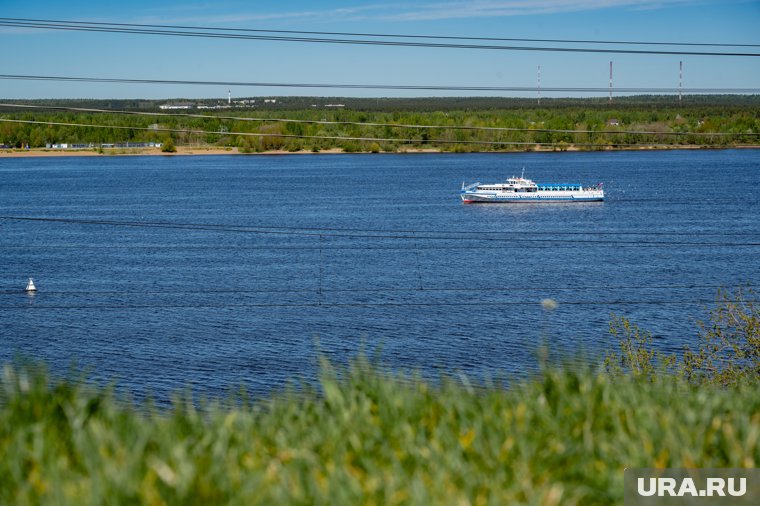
(636, 356)
(168, 146)
(727, 351)
(729, 342)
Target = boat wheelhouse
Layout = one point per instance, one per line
(519, 189)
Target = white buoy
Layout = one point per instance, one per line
(30, 286)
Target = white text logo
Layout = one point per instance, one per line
(714, 487)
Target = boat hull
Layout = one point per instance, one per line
(533, 197)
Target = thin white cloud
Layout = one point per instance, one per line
(456, 9)
(231, 16)
(496, 8)
(227, 13)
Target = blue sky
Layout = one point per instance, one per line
(28, 51)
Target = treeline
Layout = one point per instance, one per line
(697, 121)
(416, 104)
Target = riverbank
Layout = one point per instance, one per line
(496, 125)
(215, 150)
(181, 151)
(184, 150)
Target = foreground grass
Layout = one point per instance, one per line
(368, 438)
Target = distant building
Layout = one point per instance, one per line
(133, 144)
(66, 145)
(176, 106)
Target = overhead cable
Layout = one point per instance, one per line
(371, 124)
(368, 235)
(148, 30)
(338, 305)
(170, 291)
(243, 84)
(394, 35)
(331, 137)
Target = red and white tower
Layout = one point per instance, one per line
(610, 82)
(539, 85)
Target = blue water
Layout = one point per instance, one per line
(371, 250)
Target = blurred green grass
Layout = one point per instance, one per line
(367, 436)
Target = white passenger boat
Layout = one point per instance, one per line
(519, 189)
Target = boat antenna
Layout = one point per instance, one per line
(522, 176)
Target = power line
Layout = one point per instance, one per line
(350, 34)
(335, 137)
(415, 232)
(460, 235)
(522, 244)
(316, 233)
(148, 30)
(582, 89)
(339, 305)
(289, 136)
(432, 289)
(371, 124)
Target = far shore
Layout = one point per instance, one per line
(216, 150)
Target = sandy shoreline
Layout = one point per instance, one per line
(181, 151)
(212, 150)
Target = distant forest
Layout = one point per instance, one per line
(445, 123)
